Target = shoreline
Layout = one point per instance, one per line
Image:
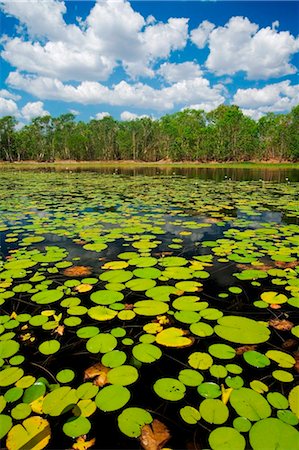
(272, 164)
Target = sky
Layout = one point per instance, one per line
(147, 58)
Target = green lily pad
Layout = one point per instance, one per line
(241, 330)
(131, 421)
(169, 389)
(113, 397)
(226, 438)
(273, 434)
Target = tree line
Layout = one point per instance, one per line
(224, 134)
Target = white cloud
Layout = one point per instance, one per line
(199, 36)
(277, 97)
(112, 34)
(8, 107)
(139, 95)
(74, 111)
(4, 93)
(32, 110)
(41, 17)
(207, 107)
(127, 116)
(241, 46)
(172, 72)
(101, 115)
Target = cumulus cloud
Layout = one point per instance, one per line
(4, 93)
(112, 34)
(32, 110)
(241, 46)
(199, 36)
(127, 116)
(139, 95)
(276, 97)
(173, 72)
(8, 107)
(101, 115)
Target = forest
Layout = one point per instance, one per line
(224, 134)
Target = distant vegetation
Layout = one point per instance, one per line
(224, 134)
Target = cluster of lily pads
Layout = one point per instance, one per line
(136, 298)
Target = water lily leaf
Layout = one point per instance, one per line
(174, 337)
(241, 330)
(274, 298)
(34, 392)
(34, 433)
(49, 347)
(209, 390)
(169, 389)
(131, 421)
(222, 351)
(201, 329)
(47, 296)
(190, 415)
(213, 411)
(10, 375)
(283, 376)
(147, 273)
(199, 360)
(154, 436)
(101, 313)
(188, 303)
(277, 400)
(5, 425)
(123, 375)
(76, 426)
(287, 417)
(114, 358)
(8, 348)
(21, 411)
(293, 400)
(150, 307)
(59, 401)
(256, 359)
(113, 397)
(161, 293)
(242, 424)
(172, 261)
(226, 438)
(273, 434)
(250, 404)
(140, 284)
(146, 353)
(101, 343)
(190, 377)
(283, 359)
(65, 375)
(106, 297)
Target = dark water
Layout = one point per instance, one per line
(269, 174)
(175, 197)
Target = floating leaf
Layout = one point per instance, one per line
(241, 330)
(169, 389)
(250, 404)
(174, 337)
(131, 421)
(273, 434)
(111, 398)
(154, 436)
(226, 438)
(34, 433)
(214, 411)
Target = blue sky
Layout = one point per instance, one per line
(147, 57)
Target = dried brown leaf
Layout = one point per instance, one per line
(77, 271)
(281, 325)
(98, 372)
(245, 348)
(154, 436)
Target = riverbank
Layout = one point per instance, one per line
(164, 163)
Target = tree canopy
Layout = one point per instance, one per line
(224, 134)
